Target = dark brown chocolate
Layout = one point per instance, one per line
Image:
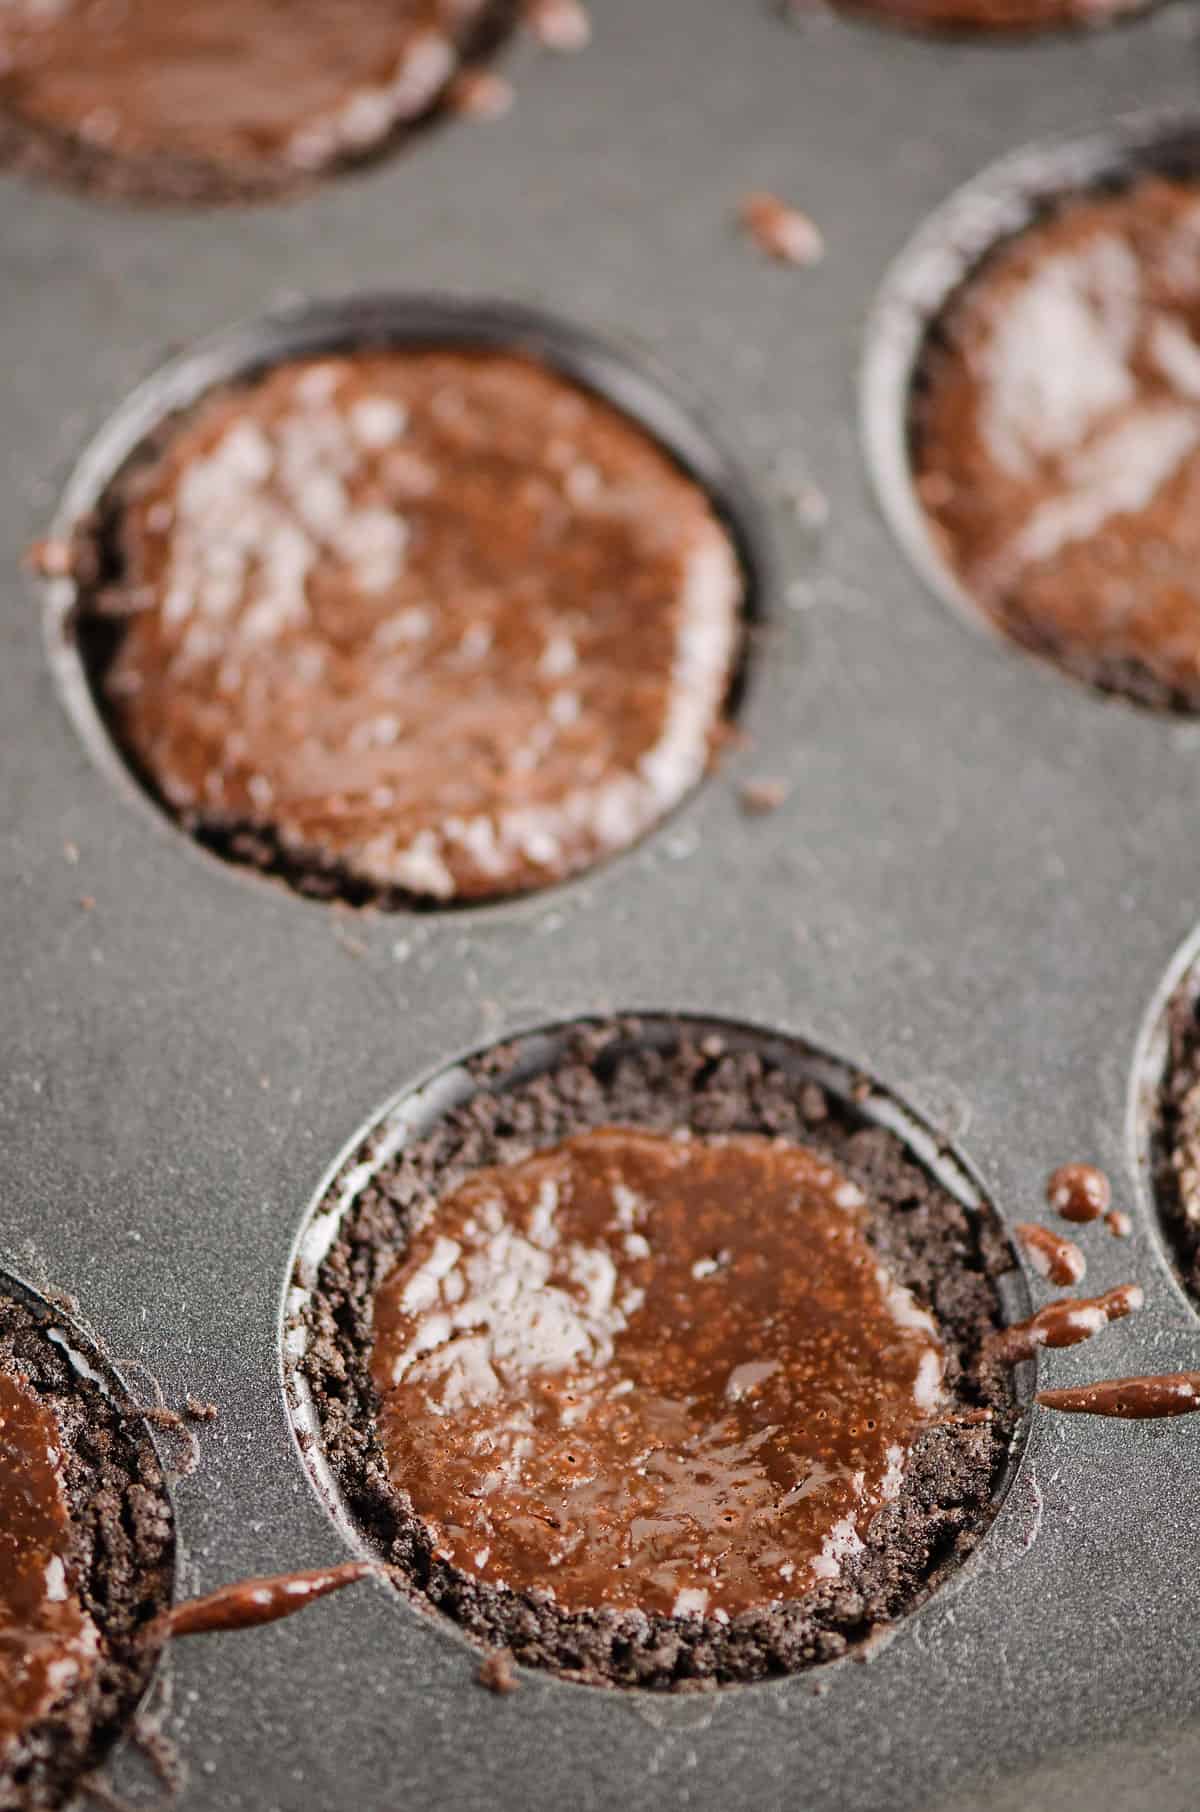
(1134, 1399)
(48, 1643)
(1052, 1256)
(650, 1372)
(1056, 438)
(200, 95)
(948, 1259)
(1066, 1322)
(1079, 1192)
(250, 1602)
(987, 17)
(438, 623)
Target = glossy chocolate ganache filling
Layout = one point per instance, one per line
(989, 16)
(200, 99)
(425, 623)
(1056, 439)
(85, 1563)
(681, 1381)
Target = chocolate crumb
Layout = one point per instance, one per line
(198, 1411)
(480, 94)
(87, 902)
(1118, 1223)
(497, 1673)
(781, 231)
(761, 796)
(49, 559)
(562, 25)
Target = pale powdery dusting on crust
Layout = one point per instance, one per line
(496, 1312)
(1057, 358)
(230, 526)
(368, 115)
(618, 811)
(1062, 402)
(1121, 471)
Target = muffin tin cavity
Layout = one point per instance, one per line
(408, 602)
(84, 1484)
(1032, 406)
(938, 1240)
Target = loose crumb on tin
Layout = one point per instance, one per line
(497, 1672)
(781, 231)
(480, 94)
(198, 1411)
(562, 25)
(50, 558)
(758, 797)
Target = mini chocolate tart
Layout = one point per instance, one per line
(662, 1366)
(86, 1559)
(202, 100)
(984, 17)
(1056, 438)
(423, 623)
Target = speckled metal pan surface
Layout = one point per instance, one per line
(974, 892)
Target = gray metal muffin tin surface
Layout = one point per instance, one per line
(974, 890)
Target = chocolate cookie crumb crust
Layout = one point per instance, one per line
(120, 1564)
(201, 103)
(949, 1257)
(1175, 1134)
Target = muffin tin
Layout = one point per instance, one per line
(972, 892)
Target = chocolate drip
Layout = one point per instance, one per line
(249, 1602)
(1079, 1192)
(1065, 1323)
(1134, 1399)
(1051, 1255)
